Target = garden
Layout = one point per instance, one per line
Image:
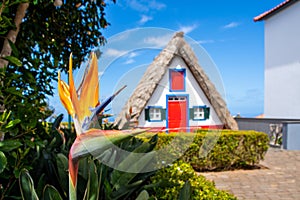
(40, 158)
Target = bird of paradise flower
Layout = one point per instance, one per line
(83, 105)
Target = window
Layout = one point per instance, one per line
(154, 114)
(199, 113)
(177, 79)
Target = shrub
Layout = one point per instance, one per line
(229, 149)
(172, 180)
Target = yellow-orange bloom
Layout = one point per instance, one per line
(78, 103)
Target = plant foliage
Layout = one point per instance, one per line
(179, 181)
(232, 150)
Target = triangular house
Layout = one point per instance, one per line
(175, 94)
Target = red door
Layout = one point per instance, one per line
(177, 113)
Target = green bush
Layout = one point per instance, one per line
(171, 181)
(226, 149)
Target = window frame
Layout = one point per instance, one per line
(148, 114)
(171, 79)
(206, 113)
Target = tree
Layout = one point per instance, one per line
(42, 34)
(36, 39)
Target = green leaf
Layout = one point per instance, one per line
(13, 60)
(12, 90)
(40, 186)
(143, 195)
(96, 142)
(51, 193)
(57, 121)
(138, 163)
(9, 145)
(91, 192)
(12, 123)
(3, 161)
(4, 117)
(62, 166)
(13, 48)
(27, 186)
(185, 192)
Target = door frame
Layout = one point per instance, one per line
(187, 110)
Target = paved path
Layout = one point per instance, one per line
(279, 180)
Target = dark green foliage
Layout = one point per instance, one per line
(95, 179)
(179, 181)
(36, 152)
(229, 149)
(47, 36)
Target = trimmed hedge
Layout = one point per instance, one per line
(229, 149)
(171, 183)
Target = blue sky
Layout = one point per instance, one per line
(223, 29)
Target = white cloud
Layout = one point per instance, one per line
(156, 5)
(205, 41)
(188, 29)
(129, 61)
(114, 52)
(144, 19)
(231, 25)
(145, 6)
(132, 55)
(159, 41)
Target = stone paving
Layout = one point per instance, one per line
(279, 178)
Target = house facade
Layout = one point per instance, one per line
(282, 60)
(175, 94)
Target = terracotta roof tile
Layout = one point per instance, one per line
(274, 10)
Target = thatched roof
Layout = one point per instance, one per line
(155, 72)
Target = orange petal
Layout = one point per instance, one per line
(89, 92)
(64, 94)
(73, 94)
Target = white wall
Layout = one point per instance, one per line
(282, 64)
(196, 98)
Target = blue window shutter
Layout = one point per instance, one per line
(206, 113)
(191, 111)
(163, 114)
(147, 116)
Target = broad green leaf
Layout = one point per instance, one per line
(143, 195)
(51, 193)
(185, 192)
(62, 166)
(27, 186)
(95, 141)
(3, 161)
(40, 186)
(9, 145)
(91, 192)
(128, 162)
(13, 60)
(126, 191)
(138, 163)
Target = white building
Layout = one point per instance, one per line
(282, 60)
(176, 94)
